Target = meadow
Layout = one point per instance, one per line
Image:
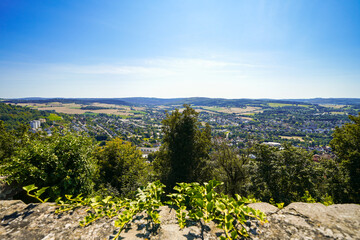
(74, 108)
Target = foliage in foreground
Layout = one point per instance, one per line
(202, 202)
(346, 145)
(193, 201)
(71, 163)
(122, 168)
(64, 162)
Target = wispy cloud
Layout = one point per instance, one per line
(170, 77)
(159, 67)
(197, 62)
(114, 69)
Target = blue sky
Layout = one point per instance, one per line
(187, 48)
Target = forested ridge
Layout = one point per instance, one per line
(199, 101)
(14, 115)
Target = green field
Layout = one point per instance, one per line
(287, 105)
(137, 112)
(91, 113)
(337, 113)
(54, 117)
(124, 116)
(215, 109)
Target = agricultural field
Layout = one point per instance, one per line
(200, 110)
(215, 109)
(293, 138)
(332, 106)
(73, 108)
(287, 105)
(239, 111)
(337, 113)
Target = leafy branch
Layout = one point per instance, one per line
(193, 201)
(202, 202)
(36, 194)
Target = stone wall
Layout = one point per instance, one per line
(295, 221)
(7, 192)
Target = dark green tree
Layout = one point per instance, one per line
(122, 168)
(185, 151)
(332, 181)
(63, 162)
(346, 145)
(231, 167)
(7, 143)
(283, 174)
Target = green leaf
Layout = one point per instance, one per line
(200, 202)
(68, 196)
(41, 191)
(220, 206)
(209, 196)
(210, 206)
(228, 225)
(30, 188)
(229, 218)
(199, 214)
(234, 234)
(118, 223)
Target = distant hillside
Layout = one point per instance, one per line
(86, 101)
(152, 101)
(337, 101)
(197, 101)
(202, 101)
(14, 116)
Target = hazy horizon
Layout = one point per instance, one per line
(280, 99)
(178, 49)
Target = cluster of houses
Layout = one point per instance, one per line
(35, 126)
(147, 150)
(273, 144)
(79, 126)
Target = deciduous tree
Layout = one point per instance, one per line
(63, 162)
(230, 167)
(185, 149)
(122, 167)
(346, 145)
